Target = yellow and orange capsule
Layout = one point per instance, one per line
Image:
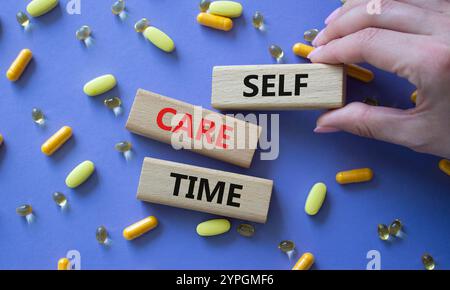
(18, 66)
(305, 262)
(354, 176)
(353, 70)
(444, 165)
(56, 141)
(63, 264)
(139, 228)
(215, 21)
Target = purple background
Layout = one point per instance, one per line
(407, 185)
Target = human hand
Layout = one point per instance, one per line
(410, 38)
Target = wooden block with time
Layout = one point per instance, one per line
(278, 87)
(191, 127)
(206, 190)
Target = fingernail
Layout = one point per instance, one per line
(333, 15)
(314, 42)
(314, 52)
(323, 129)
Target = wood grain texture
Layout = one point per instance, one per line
(325, 87)
(156, 185)
(242, 137)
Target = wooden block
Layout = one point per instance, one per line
(203, 131)
(278, 87)
(203, 189)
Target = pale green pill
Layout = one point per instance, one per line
(213, 227)
(315, 198)
(100, 85)
(226, 8)
(159, 39)
(37, 8)
(80, 174)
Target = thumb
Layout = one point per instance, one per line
(386, 124)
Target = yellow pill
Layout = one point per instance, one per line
(354, 71)
(100, 85)
(226, 8)
(444, 165)
(159, 39)
(56, 141)
(80, 174)
(414, 97)
(215, 21)
(63, 264)
(354, 176)
(37, 8)
(18, 66)
(315, 198)
(213, 227)
(305, 262)
(139, 228)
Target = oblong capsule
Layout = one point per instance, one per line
(139, 228)
(18, 66)
(213, 227)
(63, 264)
(80, 174)
(315, 198)
(354, 176)
(215, 21)
(159, 39)
(226, 8)
(305, 262)
(414, 97)
(56, 141)
(444, 165)
(100, 85)
(352, 70)
(37, 8)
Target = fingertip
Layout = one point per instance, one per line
(313, 54)
(333, 15)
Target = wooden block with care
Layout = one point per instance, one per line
(191, 127)
(203, 189)
(278, 87)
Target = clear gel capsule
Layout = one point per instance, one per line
(84, 34)
(118, 8)
(310, 35)
(23, 19)
(114, 104)
(38, 116)
(101, 235)
(246, 230)
(258, 20)
(26, 211)
(383, 232)
(141, 25)
(287, 247)
(60, 199)
(204, 5)
(276, 52)
(395, 228)
(428, 262)
(124, 147)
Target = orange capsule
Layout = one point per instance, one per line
(444, 165)
(139, 228)
(305, 262)
(18, 66)
(56, 141)
(63, 264)
(215, 21)
(354, 71)
(354, 176)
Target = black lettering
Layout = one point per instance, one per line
(176, 188)
(266, 85)
(204, 187)
(299, 84)
(232, 194)
(281, 91)
(248, 84)
(192, 180)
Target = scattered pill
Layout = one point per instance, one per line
(56, 141)
(24, 210)
(370, 101)
(38, 116)
(204, 5)
(286, 246)
(123, 146)
(315, 198)
(101, 235)
(310, 35)
(428, 262)
(258, 20)
(225, 8)
(354, 176)
(37, 8)
(213, 227)
(1, 139)
(414, 97)
(276, 52)
(159, 39)
(353, 70)
(118, 8)
(100, 85)
(395, 228)
(63, 264)
(383, 232)
(60, 199)
(141, 25)
(246, 230)
(80, 174)
(23, 19)
(139, 228)
(18, 66)
(444, 165)
(114, 104)
(305, 262)
(215, 21)
(83, 33)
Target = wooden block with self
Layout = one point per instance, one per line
(278, 87)
(203, 189)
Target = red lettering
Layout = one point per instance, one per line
(159, 118)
